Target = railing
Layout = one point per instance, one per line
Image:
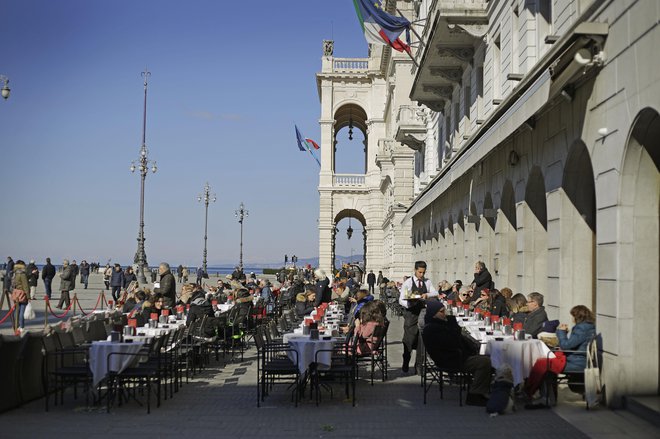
(350, 64)
(348, 180)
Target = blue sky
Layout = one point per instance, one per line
(229, 79)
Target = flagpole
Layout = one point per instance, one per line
(418, 38)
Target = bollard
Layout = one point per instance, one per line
(75, 299)
(46, 311)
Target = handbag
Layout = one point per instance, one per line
(18, 296)
(29, 313)
(592, 382)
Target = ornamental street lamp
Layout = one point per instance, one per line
(5, 87)
(207, 197)
(142, 164)
(241, 213)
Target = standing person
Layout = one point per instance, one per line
(414, 291)
(371, 281)
(482, 279)
(167, 284)
(48, 274)
(117, 282)
(379, 282)
(179, 273)
(20, 287)
(129, 276)
(184, 274)
(66, 284)
(107, 274)
(32, 273)
(84, 273)
(200, 275)
(6, 281)
(76, 272)
(323, 290)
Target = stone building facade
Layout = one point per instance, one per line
(533, 137)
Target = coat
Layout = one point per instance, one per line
(445, 344)
(534, 321)
(371, 279)
(167, 287)
(32, 273)
(323, 292)
(48, 272)
(20, 280)
(581, 335)
(481, 280)
(66, 279)
(117, 279)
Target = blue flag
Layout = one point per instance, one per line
(303, 145)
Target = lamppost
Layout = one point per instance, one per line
(241, 213)
(207, 197)
(5, 88)
(142, 164)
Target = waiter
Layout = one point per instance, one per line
(414, 291)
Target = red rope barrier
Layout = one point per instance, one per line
(66, 311)
(82, 311)
(9, 313)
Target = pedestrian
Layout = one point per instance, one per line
(179, 273)
(84, 273)
(414, 291)
(48, 274)
(184, 274)
(107, 273)
(6, 280)
(200, 275)
(371, 281)
(20, 287)
(116, 282)
(32, 273)
(66, 284)
(76, 271)
(129, 276)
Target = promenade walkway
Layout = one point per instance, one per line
(221, 402)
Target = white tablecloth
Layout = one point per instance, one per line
(519, 354)
(98, 358)
(224, 307)
(307, 349)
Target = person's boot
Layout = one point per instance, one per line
(406, 361)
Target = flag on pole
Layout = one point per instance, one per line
(379, 27)
(303, 144)
(313, 143)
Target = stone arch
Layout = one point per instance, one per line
(532, 246)
(577, 232)
(505, 261)
(638, 254)
(350, 115)
(355, 214)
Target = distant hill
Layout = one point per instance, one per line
(314, 262)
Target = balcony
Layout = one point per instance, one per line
(452, 31)
(411, 131)
(356, 181)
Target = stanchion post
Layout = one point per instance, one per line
(45, 311)
(75, 299)
(16, 311)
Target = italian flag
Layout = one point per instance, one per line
(379, 27)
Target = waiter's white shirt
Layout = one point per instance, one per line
(407, 285)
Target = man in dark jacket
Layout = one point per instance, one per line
(84, 273)
(371, 281)
(117, 282)
(482, 279)
(167, 284)
(536, 315)
(199, 306)
(448, 348)
(48, 274)
(66, 284)
(129, 276)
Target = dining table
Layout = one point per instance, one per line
(100, 364)
(307, 349)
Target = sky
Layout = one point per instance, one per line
(228, 81)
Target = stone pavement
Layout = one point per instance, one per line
(221, 402)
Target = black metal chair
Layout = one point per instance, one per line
(343, 368)
(433, 372)
(275, 366)
(64, 365)
(378, 355)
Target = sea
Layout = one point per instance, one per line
(219, 270)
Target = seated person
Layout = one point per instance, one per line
(305, 301)
(361, 298)
(156, 306)
(372, 315)
(482, 304)
(447, 347)
(582, 333)
(518, 308)
(444, 289)
(534, 320)
(497, 304)
(140, 298)
(199, 306)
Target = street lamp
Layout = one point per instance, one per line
(241, 213)
(5, 88)
(207, 197)
(142, 164)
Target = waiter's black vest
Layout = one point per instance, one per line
(417, 305)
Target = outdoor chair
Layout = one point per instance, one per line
(378, 356)
(433, 372)
(343, 368)
(275, 366)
